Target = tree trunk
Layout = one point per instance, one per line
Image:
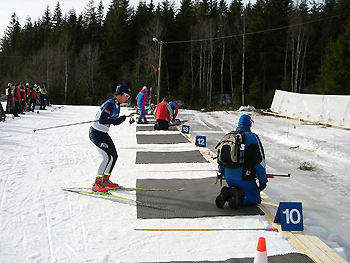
(222, 68)
(243, 60)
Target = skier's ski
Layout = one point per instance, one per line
(121, 188)
(108, 194)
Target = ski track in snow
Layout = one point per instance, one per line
(42, 223)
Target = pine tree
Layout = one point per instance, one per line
(57, 17)
(116, 47)
(335, 70)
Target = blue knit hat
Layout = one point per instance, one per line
(245, 120)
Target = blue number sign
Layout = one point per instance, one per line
(290, 215)
(185, 129)
(201, 141)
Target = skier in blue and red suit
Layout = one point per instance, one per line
(175, 109)
(142, 99)
(242, 188)
(108, 114)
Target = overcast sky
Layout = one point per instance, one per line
(36, 8)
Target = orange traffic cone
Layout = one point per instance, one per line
(261, 254)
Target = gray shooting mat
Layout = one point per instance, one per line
(197, 199)
(151, 128)
(170, 157)
(286, 258)
(160, 139)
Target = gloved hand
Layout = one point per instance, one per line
(131, 120)
(119, 120)
(262, 187)
(220, 176)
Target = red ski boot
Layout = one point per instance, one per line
(98, 185)
(108, 184)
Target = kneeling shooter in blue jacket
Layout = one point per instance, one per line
(241, 180)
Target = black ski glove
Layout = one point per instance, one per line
(220, 176)
(262, 187)
(120, 120)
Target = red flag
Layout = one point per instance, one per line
(155, 69)
(294, 126)
(253, 122)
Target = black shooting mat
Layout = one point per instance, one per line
(160, 139)
(170, 157)
(197, 199)
(150, 121)
(151, 128)
(286, 258)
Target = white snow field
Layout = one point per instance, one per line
(41, 223)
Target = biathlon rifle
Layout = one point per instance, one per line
(277, 175)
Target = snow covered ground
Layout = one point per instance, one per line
(41, 223)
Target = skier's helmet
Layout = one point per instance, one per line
(122, 88)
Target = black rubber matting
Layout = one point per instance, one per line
(150, 121)
(286, 258)
(160, 139)
(170, 157)
(197, 199)
(151, 128)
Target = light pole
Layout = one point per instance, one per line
(160, 65)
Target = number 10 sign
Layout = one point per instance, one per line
(290, 215)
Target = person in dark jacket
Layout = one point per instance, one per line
(9, 96)
(242, 187)
(2, 112)
(107, 114)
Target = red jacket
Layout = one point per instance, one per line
(164, 112)
(17, 94)
(32, 94)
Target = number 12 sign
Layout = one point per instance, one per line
(290, 215)
(201, 141)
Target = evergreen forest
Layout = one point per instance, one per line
(206, 53)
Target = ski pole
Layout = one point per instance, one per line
(71, 124)
(65, 125)
(277, 175)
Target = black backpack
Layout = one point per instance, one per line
(231, 150)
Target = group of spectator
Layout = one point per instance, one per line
(23, 97)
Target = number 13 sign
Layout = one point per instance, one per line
(290, 215)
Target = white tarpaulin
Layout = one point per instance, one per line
(332, 109)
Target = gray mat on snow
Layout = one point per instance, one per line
(286, 258)
(197, 199)
(151, 128)
(160, 139)
(170, 157)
